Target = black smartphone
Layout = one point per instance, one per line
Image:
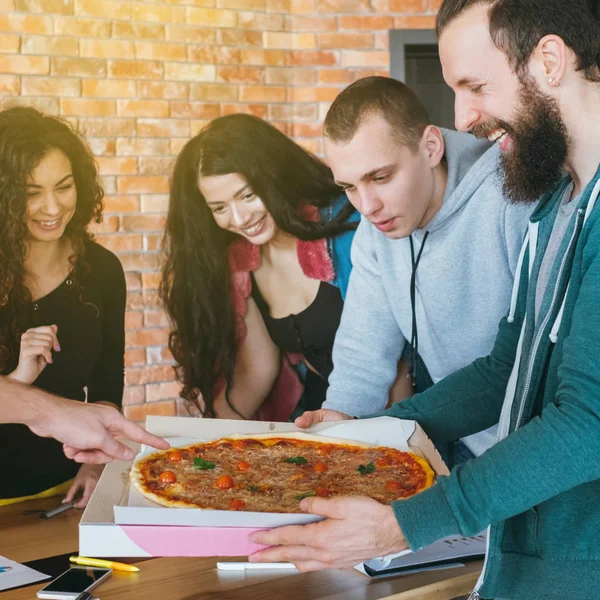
(73, 582)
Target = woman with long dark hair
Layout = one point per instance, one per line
(62, 296)
(257, 263)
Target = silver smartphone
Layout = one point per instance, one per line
(74, 582)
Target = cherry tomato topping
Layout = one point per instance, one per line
(322, 451)
(393, 486)
(323, 492)
(238, 444)
(384, 461)
(175, 456)
(225, 482)
(320, 468)
(167, 477)
(236, 504)
(242, 466)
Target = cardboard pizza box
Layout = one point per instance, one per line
(118, 521)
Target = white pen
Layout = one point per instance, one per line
(246, 566)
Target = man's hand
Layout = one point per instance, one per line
(88, 431)
(312, 417)
(357, 529)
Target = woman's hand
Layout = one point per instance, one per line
(37, 345)
(85, 480)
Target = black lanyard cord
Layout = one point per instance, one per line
(414, 341)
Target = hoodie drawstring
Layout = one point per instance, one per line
(414, 342)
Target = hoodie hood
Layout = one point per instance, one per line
(462, 152)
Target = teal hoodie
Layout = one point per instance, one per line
(538, 489)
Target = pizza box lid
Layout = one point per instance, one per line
(134, 509)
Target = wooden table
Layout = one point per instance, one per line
(26, 538)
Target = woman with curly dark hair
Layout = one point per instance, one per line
(62, 296)
(257, 263)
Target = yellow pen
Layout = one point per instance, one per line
(105, 564)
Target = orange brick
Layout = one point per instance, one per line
(262, 94)
(64, 7)
(261, 21)
(160, 51)
(306, 130)
(296, 112)
(171, 90)
(106, 48)
(244, 4)
(7, 5)
(136, 261)
(314, 94)
(121, 29)
(177, 144)
(328, 76)
(50, 86)
(407, 5)
(313, 146)
(285, 40)
(133, 396)
(147, 337)
(78, 67)
(215, 92)
(435, 4)
(241, 74)
(117, 165)
(268, 58)
(211, 18)
(142, 147)
(158, 391)
(240, 37)
(151, 281)
(313, 57)
(152, 242)
(415, 22)
(296, 7)
(55, 45)
(290, 76)
(197, 125)
(369, 23)
(109, 184)
(141, 185)
(108, 127)
(108, 225)
(156, 165)
(156, 203)
(81, 27)
(149, 375)
(121, 204)
(24, 65)
(139, 412)
(333, 41)
(133, 281)
(258, 110)
(344, 6)
(87, 107)
(143, 108)
(147, 222)
(107, 9)
(135, 69)
(189, 72)
(10, 84)
(163, 128)
(194, 110)
(214, 55)
(108, 88)
(25, 23)
(46, 105)
(194, 35)
(158, 355)
(156, 318)
(156, 13)
(311, 24)
(382, 40)
(102, 146)
(135, 357)
(121, 243)
(10, 43)
(374, 58)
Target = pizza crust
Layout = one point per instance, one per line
(137, 481)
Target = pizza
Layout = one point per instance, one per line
(274, 472)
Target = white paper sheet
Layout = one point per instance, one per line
(13, 574)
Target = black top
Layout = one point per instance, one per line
(91, 334)
(311, 333)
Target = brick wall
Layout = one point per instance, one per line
(141, 77)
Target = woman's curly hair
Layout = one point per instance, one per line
(26, 136)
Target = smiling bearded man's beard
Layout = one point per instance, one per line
(534, 163)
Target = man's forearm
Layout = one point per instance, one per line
(20, 403)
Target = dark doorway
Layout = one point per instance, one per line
(415, 60)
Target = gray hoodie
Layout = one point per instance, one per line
(463, 286)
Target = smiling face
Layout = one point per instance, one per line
(51, 197)
(495, 102)
(389, 184)
(236, 208)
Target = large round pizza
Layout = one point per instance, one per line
(274, 472)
